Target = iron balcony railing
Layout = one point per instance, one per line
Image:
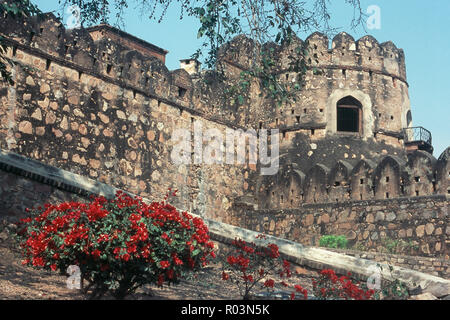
(417, 134)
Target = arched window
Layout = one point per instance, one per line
(349, 115)
(408, 119)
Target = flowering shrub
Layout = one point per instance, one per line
(249, 265)
(119, 244)
(329, 286)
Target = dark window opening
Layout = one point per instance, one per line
(297, 118)
(361, 181)
(181, 92)
(304, 110)
(32, 34)
(66, 49)
(313, 132)
(349, 115)
(260, 125)
(292, 111)
(282, 199)
(417, 179)
(337, 183)
(41, 30)
(387, 179)
(47, 64)
(408, 118)
(108, 68)
(387, 195)
(361, 196)
(417, 193)
(14, 51)
(79, 75)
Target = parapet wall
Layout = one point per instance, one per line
(421, 222)
(391, 177)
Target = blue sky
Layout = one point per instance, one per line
(419, 27)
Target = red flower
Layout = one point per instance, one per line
(225, 276)
(96, 253)
(269, 283)
(164, 264)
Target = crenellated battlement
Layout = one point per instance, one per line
(110, 60)
(364, 66)
(391, 177)
(365, 54)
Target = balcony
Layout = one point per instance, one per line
(418, 138)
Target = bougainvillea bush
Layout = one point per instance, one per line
(250, 266)
(331, 287)
(119, 244)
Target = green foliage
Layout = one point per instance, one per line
(398, 246)
(393, 290)
(331, 241)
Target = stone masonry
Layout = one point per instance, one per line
(102, 104)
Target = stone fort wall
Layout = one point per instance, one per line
(104, 111)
